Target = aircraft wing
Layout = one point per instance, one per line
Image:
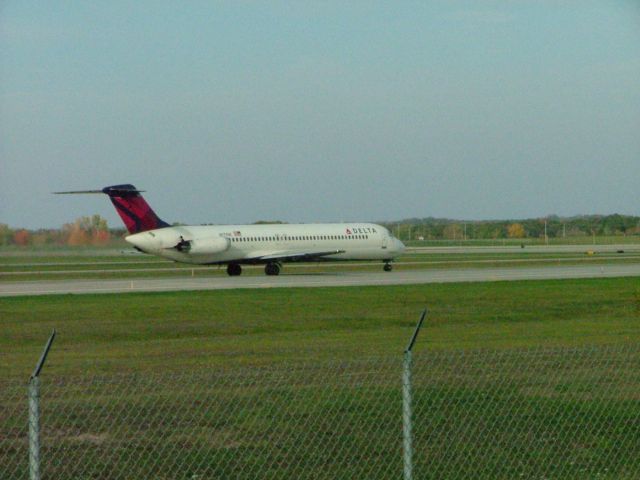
(295, 256)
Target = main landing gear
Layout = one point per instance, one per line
(234, 269)
(387, 266)
(272, 269)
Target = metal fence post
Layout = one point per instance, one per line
(407, 413)
(407, 437)
(34, 428)
(34, 413)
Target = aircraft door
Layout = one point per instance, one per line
(385, 241)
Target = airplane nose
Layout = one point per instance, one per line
(399, 246)
(145, 241)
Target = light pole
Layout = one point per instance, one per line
(546, 238)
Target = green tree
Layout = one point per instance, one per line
(6, 234)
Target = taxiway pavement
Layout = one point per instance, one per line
(329, 279)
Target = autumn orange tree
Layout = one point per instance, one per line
(87, 231)
(21, 238)
(516, 230)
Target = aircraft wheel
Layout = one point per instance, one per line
(234, 269)
(388, 267)
(272, 269)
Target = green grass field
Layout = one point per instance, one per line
(304, 383)
(138, 331)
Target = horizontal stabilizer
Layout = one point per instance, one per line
(78, 192)
(135, 212)
(115, 190)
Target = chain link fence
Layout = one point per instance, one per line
(539, 413)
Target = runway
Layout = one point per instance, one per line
(329, 279)
(465, 249)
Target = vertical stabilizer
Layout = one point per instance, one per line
(134, 210)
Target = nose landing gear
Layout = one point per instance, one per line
(387, 266)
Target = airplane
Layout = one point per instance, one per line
(237, 245)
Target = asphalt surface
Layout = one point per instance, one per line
(329, 279)
(325, 265)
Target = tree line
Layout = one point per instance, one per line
(552, 226)
(84, 231)
(93, 230)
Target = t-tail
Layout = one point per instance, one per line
(133, 209)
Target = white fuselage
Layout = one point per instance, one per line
(271, 242)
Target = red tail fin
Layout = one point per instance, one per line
(134, 210)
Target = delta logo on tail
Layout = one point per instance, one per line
(133, 209)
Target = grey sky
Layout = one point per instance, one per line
(234, 112)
